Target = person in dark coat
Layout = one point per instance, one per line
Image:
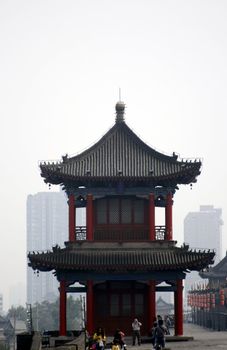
(119, 338)
(160, 333)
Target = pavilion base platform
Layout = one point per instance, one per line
(173, 338)
(169, 338)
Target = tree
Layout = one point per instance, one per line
(74, 313)
(18, 312)
(45, 315)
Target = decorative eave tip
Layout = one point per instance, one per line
(120, 111)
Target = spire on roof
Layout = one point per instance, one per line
(120, 110)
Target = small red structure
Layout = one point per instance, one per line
(122, 255)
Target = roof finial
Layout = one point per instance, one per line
(120, 109)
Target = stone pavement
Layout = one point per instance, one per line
(204, 339)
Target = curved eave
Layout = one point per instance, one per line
(120, 261)
(184, 177)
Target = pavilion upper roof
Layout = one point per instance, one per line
(121, 155)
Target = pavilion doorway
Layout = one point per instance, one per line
(117, 303)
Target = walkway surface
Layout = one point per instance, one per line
(204, 339)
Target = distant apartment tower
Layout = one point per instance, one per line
(47, 225)
(203, 229)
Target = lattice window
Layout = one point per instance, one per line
(139, 212)
(114, 305)
(139, 304)
(102, 304)
(114, 214)
(126, 211)
(120, 211)
(126, 304)
(102, 211)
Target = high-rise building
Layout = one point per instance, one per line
(203, 229)
(47, 225)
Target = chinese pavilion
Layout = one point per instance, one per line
(121, 256)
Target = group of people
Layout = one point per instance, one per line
(98, 340)
(158, 332)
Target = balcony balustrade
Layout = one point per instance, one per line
(121, 235)
(81, 233)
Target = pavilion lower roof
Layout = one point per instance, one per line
(216, 272)
(212, 275)
(107, 257)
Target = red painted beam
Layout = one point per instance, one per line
(178, 308)
(151, 217)
(151, 304)
(89, 214)
(72, 218)
(90, 307)
(62, 309)
(168, 215)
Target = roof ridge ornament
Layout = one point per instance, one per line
(120, 111)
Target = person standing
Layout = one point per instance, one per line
(167, 324)
(136, 332)
(160, 332)
(152, 333)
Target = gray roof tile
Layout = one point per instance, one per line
(94, 258)
(120, 153)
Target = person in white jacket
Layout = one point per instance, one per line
(136, 332)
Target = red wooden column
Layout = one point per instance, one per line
(90, 307)
(178, 308)
(72, 218)
(151, 217)
(151, 304)
(168, 216)
(89, 215)
(62, 308)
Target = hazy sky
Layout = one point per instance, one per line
(61, 65)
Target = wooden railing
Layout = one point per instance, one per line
(121, 235)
